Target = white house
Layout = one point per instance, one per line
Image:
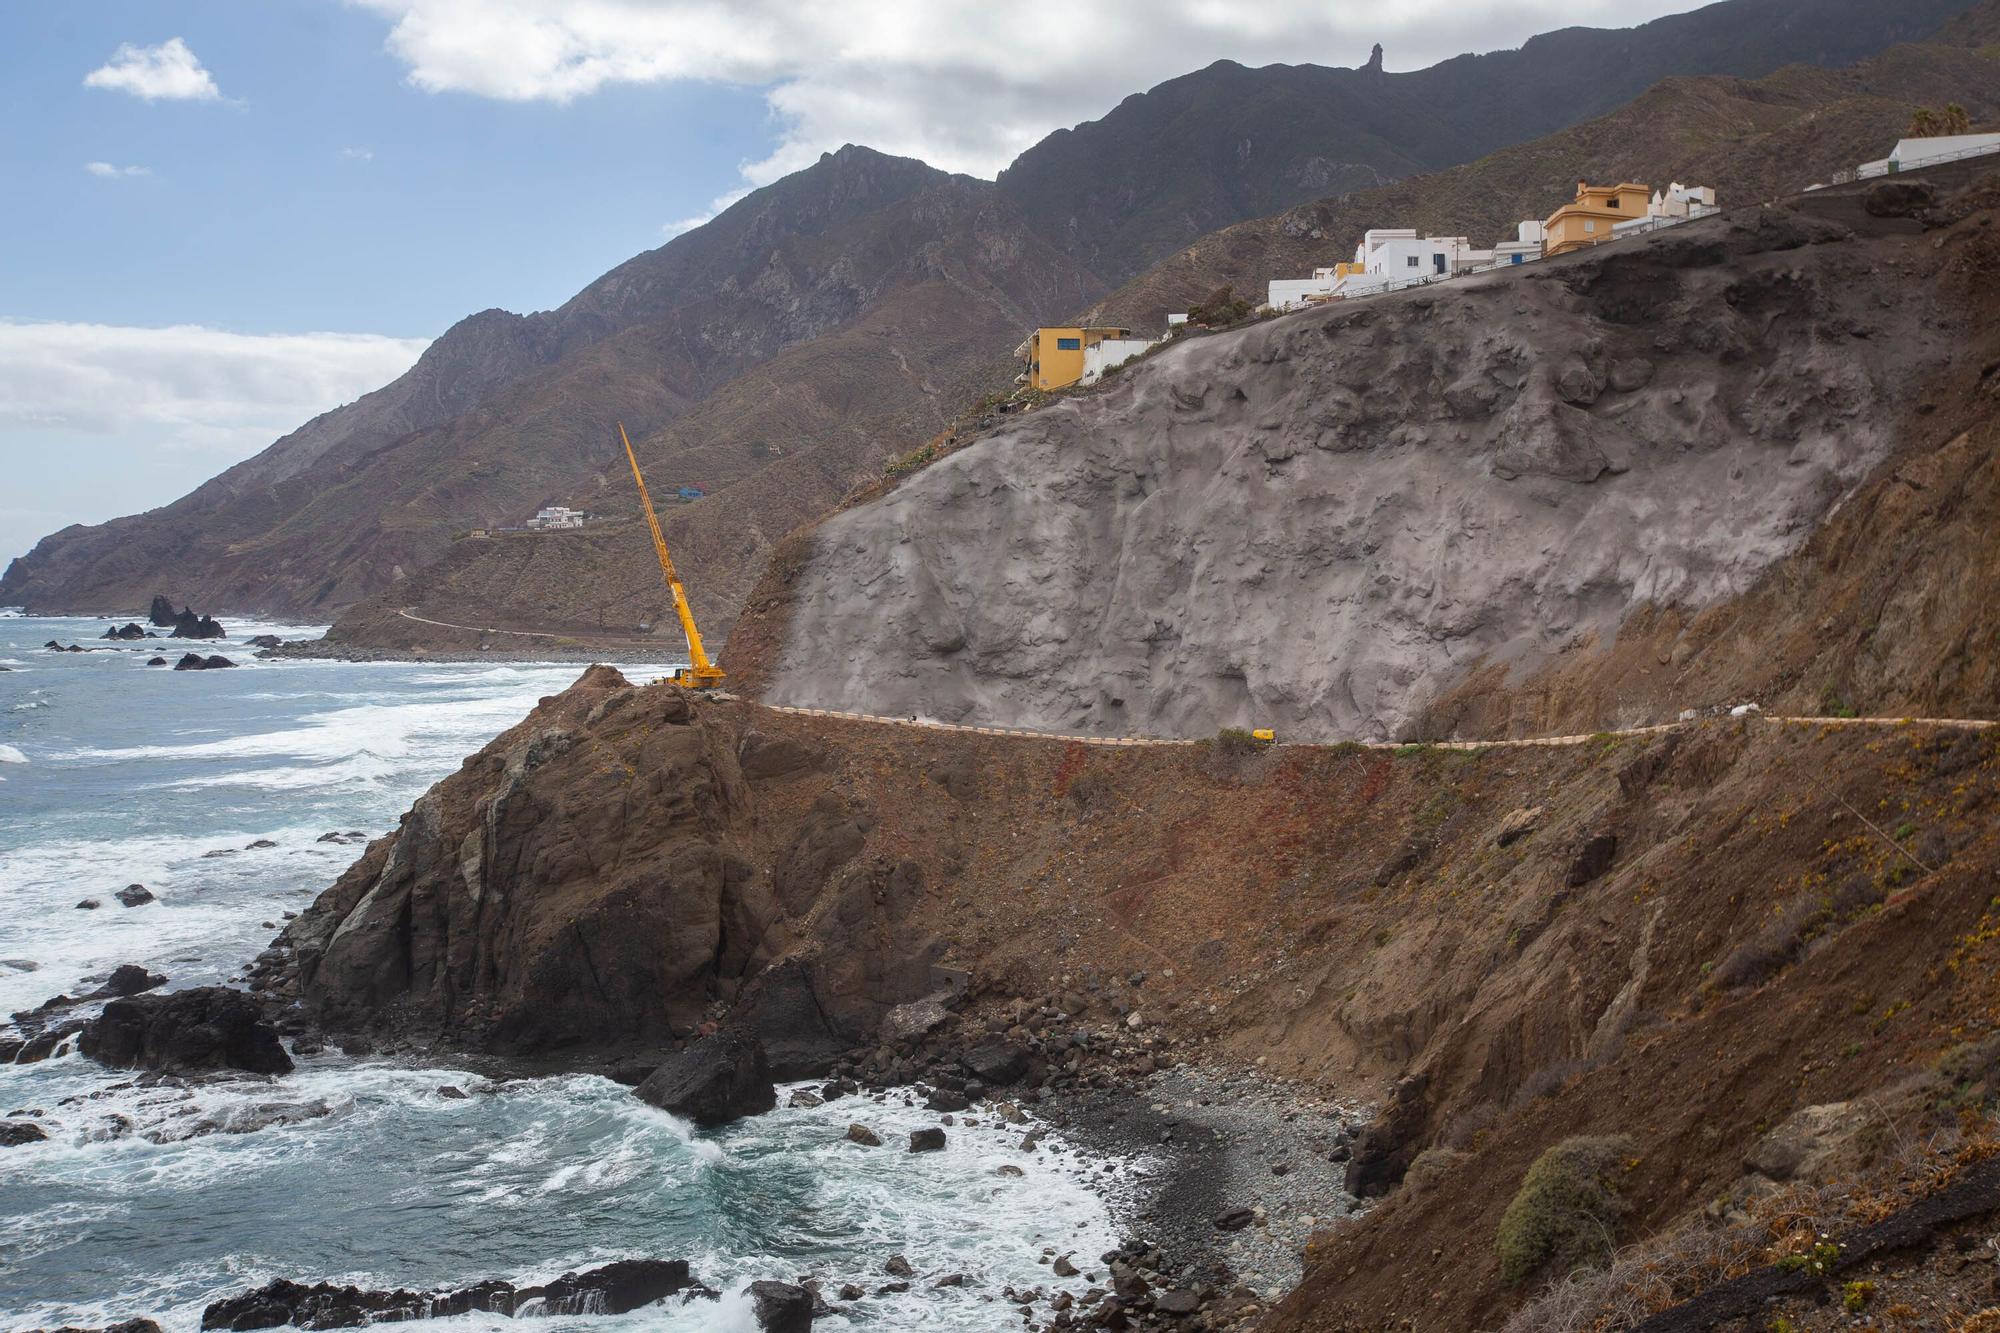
(556, 516)
(1677, 203)
(1390, 256)
(1909, 154)
(1291, 293)
(1109, 352)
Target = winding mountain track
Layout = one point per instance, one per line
(1968, 724)
(407, 614)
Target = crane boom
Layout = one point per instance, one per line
(700, 673)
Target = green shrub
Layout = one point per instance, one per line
(1567, 1210)
(912, 461)
(1222, 308)
(1234, 743)
(1434, 1166)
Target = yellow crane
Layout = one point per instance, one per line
(700, 674)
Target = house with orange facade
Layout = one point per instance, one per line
(1589, 218)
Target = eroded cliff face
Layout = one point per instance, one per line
(1318, 522)
(603, 876)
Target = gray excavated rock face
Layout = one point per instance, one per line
(1317, 522)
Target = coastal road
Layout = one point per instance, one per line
(1970, 724)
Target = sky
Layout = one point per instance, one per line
(219, 218)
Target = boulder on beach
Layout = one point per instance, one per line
(196, 662)
(781, 1307)
(718, 1079)
(996, 1063)
(926, 1140)
(188, 1032)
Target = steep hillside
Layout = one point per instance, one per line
(1752, 139)
(509, 412)
(1198, 152)
(1887, 609)
(857, 235)
(1320, 522)
(1683, 939)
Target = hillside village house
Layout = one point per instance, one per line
(1589, 218)
(1909, 154)
(555, 517)
(1059, 357)
(1390, 256)
(1677, 203)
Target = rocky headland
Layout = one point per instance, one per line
(1299, 977)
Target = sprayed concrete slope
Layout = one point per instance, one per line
(1319, 522)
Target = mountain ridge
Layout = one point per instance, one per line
(507, 412)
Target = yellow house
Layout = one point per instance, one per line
(1055, 357)
(1589, 218)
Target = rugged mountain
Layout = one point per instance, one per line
(1752, 139)
(1226, 142)
(915, 282)
(1322, 522)
(348, 506)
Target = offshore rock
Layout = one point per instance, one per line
(718, 1079)
(196, 662)
(188, 1032)
(781, 1307)
(188, 625)
(162, 612)
(616, 1288)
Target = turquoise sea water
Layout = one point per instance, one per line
(154, 1201)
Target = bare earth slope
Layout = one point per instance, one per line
(1318, 522)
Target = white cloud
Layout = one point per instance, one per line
(357, 154)
(110, 172)
(958, 83)
(185, 386)
(673, 229)
(167, 72)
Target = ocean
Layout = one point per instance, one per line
(154, 1200)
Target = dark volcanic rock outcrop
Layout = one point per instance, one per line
(196, 662)
(781, 1307)
(188, 1032)
(614, 1289)
(598, 878)
(125, 631)
(188, 625)
(718, 1079)
(162, 612)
